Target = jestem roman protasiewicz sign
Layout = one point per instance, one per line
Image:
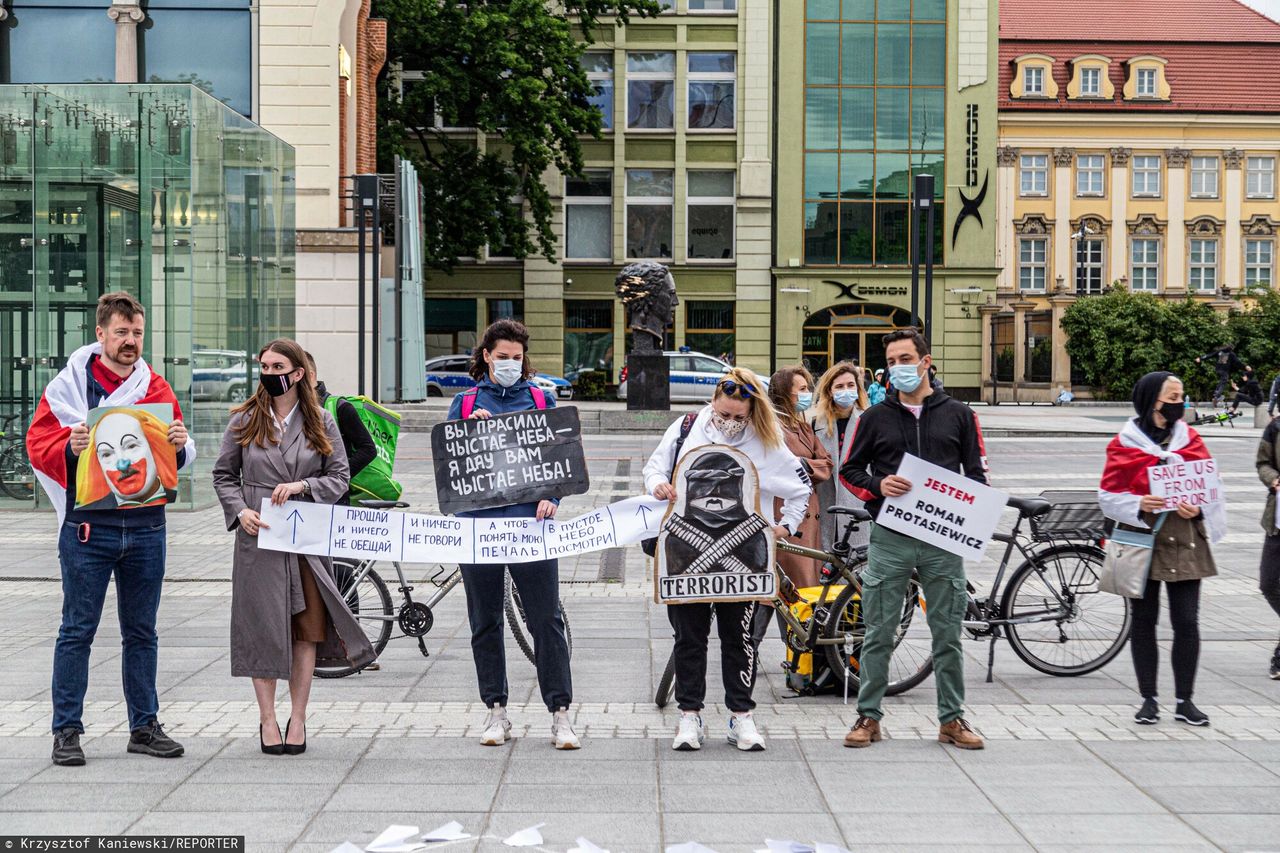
(944, 508)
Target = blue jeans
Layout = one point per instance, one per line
(136, 557)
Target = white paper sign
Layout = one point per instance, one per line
(1196, 482)
(396, 838)
(944, 508)
(451, 831)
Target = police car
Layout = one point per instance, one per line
(447, 375)
(693, 376)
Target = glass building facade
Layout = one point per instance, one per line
(159, 190)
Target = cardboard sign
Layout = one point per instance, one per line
(1197, 483)
(378, 534)
(944, 508)
(130, 462)
(714, 544)
(508, 459)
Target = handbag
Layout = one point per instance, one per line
(1126, 563)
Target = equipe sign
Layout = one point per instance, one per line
(1197, 483)
(369, 534)
(944, 508)
(508, 459)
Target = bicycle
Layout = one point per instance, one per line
(17, 480)
(369, 599)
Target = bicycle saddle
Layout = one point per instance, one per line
(858, 514)
(1030, 507)
(383, 504)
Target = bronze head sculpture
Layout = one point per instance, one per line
(649, 293)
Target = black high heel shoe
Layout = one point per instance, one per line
(277, 749)
(294, 748)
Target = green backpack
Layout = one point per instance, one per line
(375, 481)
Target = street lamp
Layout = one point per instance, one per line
(1080, 236)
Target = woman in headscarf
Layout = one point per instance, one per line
(791, 392)
(1157, 435)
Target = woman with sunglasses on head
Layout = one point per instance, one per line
(740, 416)
(841, 399)
(791, 392)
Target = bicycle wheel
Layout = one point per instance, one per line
(368, 598)
(519, 630)
(912, 658)
(1093, 626)
(17, 480)
(666, 684)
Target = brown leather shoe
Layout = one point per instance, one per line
(958, 733)
(864, 733)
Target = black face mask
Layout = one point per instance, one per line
(1172, 412)
(277, 384)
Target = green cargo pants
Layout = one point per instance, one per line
(891, 559)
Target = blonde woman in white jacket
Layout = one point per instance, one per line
(740, 416)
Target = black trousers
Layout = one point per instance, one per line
(1269, 574)
(1184, 616)
(734, 622)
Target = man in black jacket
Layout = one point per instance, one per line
(355, 437)
(918, 419)
(1225, 362)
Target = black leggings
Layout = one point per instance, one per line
(1269, 574)
(1184, 615)
(736, 623)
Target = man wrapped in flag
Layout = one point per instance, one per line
(96, 543)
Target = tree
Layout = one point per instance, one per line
(512, 69)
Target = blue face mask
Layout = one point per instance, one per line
(905, 377)
(845, 399)
(507, 371)
(804, 401)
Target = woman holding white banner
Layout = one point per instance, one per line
(1181, 558)
(740, 416)
(286, 611)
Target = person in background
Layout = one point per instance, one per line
(1268, 464)
(1157, 435)
(841, 399)
(1248, 391)
(356, 440)
(875, 386)
(791, 392)
(1225, 362)
(1273, 398)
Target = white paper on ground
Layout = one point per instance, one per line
(345, 847)
(525, 837)
(395, 839)
(585, 846)
(689, 847)
(451, 831)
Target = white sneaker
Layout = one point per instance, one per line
(562, 732)
(690, 733)
(497, 728)
(744, 734)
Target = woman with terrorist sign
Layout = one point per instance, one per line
(286, 611)
(501, 367)
(1181, 557)
(840, 401)
(741, 417)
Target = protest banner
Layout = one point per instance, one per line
(944, 508)
(714, 544)
(130, 462)
(508, 459)
(378, 534)
(1197, 482)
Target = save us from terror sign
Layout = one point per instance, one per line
(367, 534)
(508, 459)
(944, 508)
(1196, 482)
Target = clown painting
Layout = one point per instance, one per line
(714, 544)
(130, 462)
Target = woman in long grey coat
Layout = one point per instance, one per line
(286, 611)
(840, 400)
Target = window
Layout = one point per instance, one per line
(1146, 83)
(1146, 176)
(1034, 174)
(1090, 174)
(1089, 267)
(1144, 273)
(710, 216)
(219, 61)
(1033, 80)
(1090, 82)
(450, 325)
(649, 209)
(1032, 263)
(1259, 263)
(712, 84)
(651, 90)
(709, 328)
(1204, 265)
(588, 336)
(713, 5)
(1260, 177)
(506, 309)
(1204, 177)
(599, 68)
(588, 216)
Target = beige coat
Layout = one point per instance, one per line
(803, 442)
(266, 587)
(1182, 550)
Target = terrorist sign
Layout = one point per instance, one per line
(508, 459)
(714, 544)
(130, 462)
(1196, 482)
(944, 508)
(375, 534)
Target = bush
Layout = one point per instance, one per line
(591, 385)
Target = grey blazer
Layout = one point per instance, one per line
(832, 492)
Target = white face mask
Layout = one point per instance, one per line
(507, 371)
(730, 429)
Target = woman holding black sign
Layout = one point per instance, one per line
(501, 368)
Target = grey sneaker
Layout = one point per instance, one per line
(66, 748)
(150, 739)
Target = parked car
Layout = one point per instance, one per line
(447, 375)
(218, 374)
(693, 376)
